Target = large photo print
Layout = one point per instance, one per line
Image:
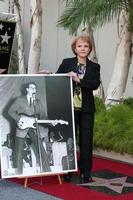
(37, 133)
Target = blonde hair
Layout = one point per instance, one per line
(84, 39)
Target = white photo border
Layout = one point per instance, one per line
(59, 99)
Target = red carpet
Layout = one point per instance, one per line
(69, 191)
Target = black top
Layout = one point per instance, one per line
(90, 81)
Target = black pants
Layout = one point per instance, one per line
(40, 153)
(84, 122)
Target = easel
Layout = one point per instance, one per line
(27, 178)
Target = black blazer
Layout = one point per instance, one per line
(90, 82)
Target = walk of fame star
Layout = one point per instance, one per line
(115, 184)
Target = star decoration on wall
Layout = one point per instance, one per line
(1, 26)
(115, 184)
(5, 38)
(2, 70)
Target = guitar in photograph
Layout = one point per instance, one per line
(30, 122)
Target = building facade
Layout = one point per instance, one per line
(56, 41)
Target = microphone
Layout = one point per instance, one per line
(34, 96)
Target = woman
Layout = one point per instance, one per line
(86, 78)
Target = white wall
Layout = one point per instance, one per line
(56, 41)
(3, 6)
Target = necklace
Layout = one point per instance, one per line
(81, 68)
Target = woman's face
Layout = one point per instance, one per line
(82, 48)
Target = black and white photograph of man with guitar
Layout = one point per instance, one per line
(35, 115)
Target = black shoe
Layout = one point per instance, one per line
(85, 179)
(67, 178)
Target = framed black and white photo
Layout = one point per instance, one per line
(37, 134)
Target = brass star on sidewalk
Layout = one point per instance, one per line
(115, 184)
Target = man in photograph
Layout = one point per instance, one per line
(26, 110)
